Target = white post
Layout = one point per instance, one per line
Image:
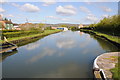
(5, 39)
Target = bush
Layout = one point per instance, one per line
(73, 28)
(4, 31)
(48, 28)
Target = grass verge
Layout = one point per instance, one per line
(19, 41)
(116, 70)
(112, 38)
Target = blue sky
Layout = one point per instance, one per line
(58, 12)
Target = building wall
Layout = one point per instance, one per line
(9, 26)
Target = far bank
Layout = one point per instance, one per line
(115, 40)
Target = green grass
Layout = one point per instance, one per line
(46, 32)
(110, 37)
(116, 70)
(21, 33)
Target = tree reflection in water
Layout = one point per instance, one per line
(6, 54)
(107, 46)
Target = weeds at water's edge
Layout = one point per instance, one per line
(116, 70)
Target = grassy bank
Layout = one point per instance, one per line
(21, 40)
(115, 71)
(115, 39)
(108, 27)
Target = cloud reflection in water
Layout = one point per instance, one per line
(32, 46)
(69, 70)
(46, 52)
(66, 43)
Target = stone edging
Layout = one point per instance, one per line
(103, 64)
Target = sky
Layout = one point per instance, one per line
(58, 12)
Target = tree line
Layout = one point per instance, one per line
(108, 25)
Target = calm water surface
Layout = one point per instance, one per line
(61, 55)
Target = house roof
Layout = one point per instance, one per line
(8, 22)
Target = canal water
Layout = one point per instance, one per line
(61, 55)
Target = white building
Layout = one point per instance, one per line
(80, 26)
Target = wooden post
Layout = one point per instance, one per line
(5, 39)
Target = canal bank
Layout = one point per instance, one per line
(114, 40)
(19, 41)
(103, 65)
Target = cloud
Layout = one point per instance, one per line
(106, 9)
(14, 4)
(7, 15)
(47, 3)
(91, 18)
(2, 1)
(88, 2)
(64, 19)
(84, 9)
(2, 10)
(10, 15)
(67, 10)
(29, 8)
(105, 15)
(53, 17)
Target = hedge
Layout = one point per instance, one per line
(4, 31)
(20, 33)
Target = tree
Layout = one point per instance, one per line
(41, 25)
(63, 25)
(6, 19)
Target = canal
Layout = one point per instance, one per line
(61, 55)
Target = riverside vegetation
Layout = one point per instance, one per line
(109, 28)
(24, 36)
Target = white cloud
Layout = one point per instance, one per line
(29, 8)
(64, 19)
(70, 7)
(2, 10)
(67, 10)
(91, 18)
(14, 4)
(50, 2)
(53, 17)
(106, 9)
(105, 15)
(10, 15)
(2, 1)
(88, 2)
(84, 9)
